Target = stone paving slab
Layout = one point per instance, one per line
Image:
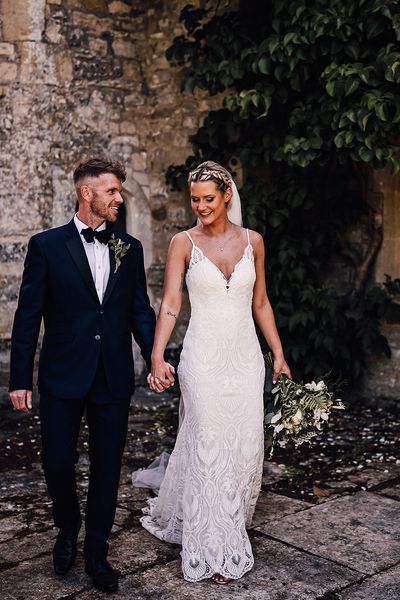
(22, 484)
(371, 477)
(134, 550)
(133, 498)
(360, 531)
(272, 472)
(383, 586)
(272, 506)
(11, 526)
(280, 573)
(27, 547)
(125, 518)
(36, 579)
(391, 491)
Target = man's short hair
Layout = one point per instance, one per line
(94, 167)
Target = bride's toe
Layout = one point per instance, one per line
(217, 578)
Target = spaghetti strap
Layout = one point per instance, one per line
(248, 237)
(187, 233)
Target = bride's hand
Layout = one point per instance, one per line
(280, 368)
(161, 376)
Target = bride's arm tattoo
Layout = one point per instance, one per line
(171, 314)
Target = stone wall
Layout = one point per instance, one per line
(383, 381)
(80, 78)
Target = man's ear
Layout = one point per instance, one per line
(85, 192)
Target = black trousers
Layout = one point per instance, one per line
(107, 419)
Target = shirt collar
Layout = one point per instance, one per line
(80, 225)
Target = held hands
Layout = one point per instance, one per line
(280, 368)
(22, 400)
(161, 376)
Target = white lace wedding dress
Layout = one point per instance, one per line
(213, 478)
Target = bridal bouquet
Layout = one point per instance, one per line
(297, 411)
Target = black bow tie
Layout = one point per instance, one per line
(89, 234)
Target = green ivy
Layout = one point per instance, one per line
(310, 105)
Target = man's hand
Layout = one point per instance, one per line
(161, 376)
(22, 400)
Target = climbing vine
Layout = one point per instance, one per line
(309, 107)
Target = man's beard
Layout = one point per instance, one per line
(101, 212)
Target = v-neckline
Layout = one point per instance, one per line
(227, 279)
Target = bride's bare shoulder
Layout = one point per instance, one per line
(256, 239)
(180, 241)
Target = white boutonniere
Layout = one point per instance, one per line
(119, 248)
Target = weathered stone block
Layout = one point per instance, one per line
(98, 46)
(383, 586)
(40, 64)
(139, 161)
(129, 128)
(22, 19)
(384, 373)
(393, 491)
(94, 23)
(27, 547)
(7, 50)
(8, 71)
(360, 531)
(96, 69)
(272, 507)
(117, 7)
(12, 251)
(64, 197)
(124, 48)
(142, 178)
(38, 575)
(97, 6)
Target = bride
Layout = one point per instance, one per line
(210, 488)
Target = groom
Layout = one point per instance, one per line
(88, 283)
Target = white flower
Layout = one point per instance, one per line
(320, 413)
(297, 417)
(310, 386)
(315, 387)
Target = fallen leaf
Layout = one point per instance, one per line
(320, 492)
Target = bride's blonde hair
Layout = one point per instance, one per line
(211, 171)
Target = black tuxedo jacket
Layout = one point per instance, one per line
(57, 285)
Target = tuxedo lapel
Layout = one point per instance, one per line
(112, 280)
(77, 251)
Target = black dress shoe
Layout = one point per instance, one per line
(104, 577)
(64, 551)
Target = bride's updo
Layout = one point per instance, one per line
(211, 171)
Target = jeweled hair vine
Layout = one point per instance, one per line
(211, 171)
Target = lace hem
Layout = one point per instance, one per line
(195, 567)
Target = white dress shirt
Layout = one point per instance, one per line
(98, 257)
